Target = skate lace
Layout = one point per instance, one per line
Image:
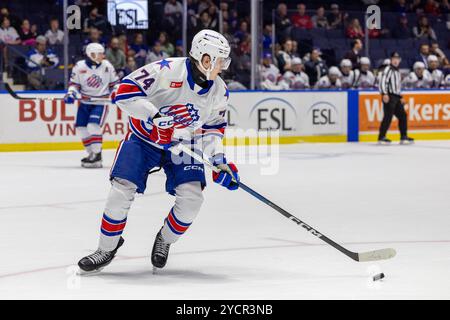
(162, 248)
(99, 256)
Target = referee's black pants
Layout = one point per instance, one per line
(393, 107)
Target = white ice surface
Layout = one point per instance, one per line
(361, 195)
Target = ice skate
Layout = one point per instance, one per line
(96, 261)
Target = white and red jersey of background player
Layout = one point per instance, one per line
(93, 81)
(169, 85)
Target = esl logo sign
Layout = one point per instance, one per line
(274, 114)
(130, 13)
(323, 117)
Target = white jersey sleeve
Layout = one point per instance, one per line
(213, 130)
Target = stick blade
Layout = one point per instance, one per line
(376, 255)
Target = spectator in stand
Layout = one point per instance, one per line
(355, 53)
(123, 44)
(204, 5)
(39, 59)
(301, 19)
(423, 30)
(212, 11)
(94, 37)
(320, 20)
(283, 24)
(156, 53)
(54, 35)
(354, 30)
(204, 21)
(27, 36)
(331, 80)
(434, 49)
(401, 6)
(424, 52)
(129, 67)
(166, 45)
(8, 34)
(140, 49)
(115, 55)
(315, 67)
(179, 49)
(432, 8)
(285, 56)
(336, 19)
(437, 75)
(14, 20)
(243, 62)
(95, 20)
(402, 30)
(173, 11)
(243, 32)
(267, 37)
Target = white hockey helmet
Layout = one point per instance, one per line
(386, 62)
(296, 60)
(346, 63)
(334, 71)
(432, 58)
(365, 61)
(94, 50)
(213, 44)
(419, 65)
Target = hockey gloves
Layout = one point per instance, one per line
(70, 97)
(228, 176)
(162, 131)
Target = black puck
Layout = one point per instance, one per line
(378, 276)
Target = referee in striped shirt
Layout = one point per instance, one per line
(390, 89)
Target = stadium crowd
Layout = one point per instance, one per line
(289, 58)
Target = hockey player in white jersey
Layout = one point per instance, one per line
(168, 100)
(437, 75)
(348, 75)
(419, 78)
(331, 80)
(364, 78)
(93, 77)
(269, 74)
(296, 79)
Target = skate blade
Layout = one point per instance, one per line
(83, 273)
(383, 143)
(405, 143)
(92, 165)
(155, 270)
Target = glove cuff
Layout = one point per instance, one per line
(218, 159)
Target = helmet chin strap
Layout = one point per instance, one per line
(206, 72)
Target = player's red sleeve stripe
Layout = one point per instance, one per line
(125, 88)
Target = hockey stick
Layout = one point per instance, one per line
(17, 97)
(375, 255)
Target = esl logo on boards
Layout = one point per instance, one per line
(323, 114)
(274, 114)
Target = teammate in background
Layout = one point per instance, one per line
(93, 77)
(169, 100)
(348, 75)
(364, 78)
(393, 104)
(269, 74)
(296, 79)
(437, 75)
(419, 78)
(331, 80)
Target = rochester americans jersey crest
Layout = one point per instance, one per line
(168, 84)
(92, 80)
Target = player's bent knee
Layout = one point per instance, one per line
(94, 128)
(189, 198)
(120, 197)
